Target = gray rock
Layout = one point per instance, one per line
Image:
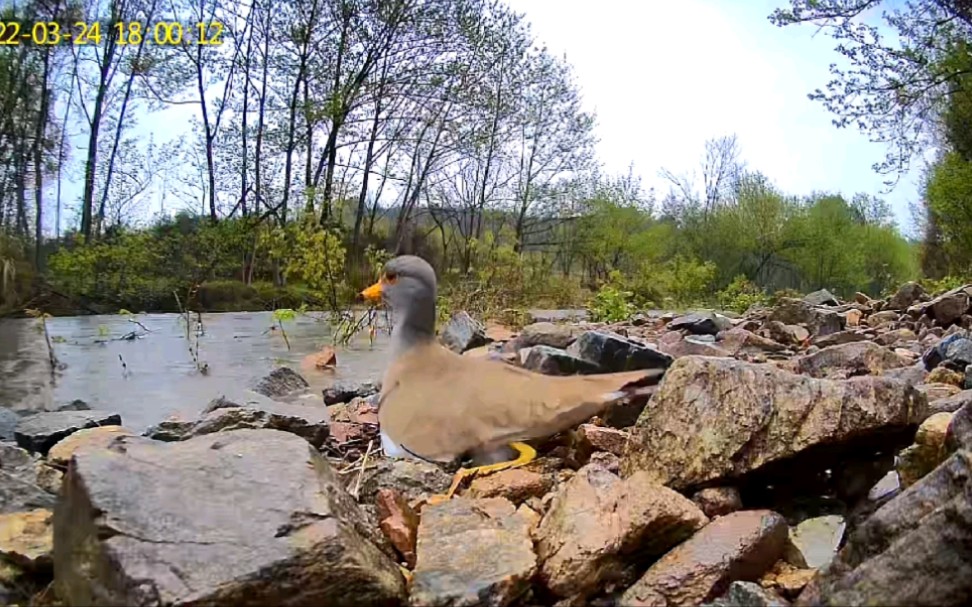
(75, 405)
(943, 351)
(19, 489)
(552, 361)
(968, 378)
(412, 478)
(959, 434)
(959, 353)
(41, 431)
(169, 430)
(915, 550)
(546, 334)
(244, 517)
(888, 485)
(823, 297)
(472, 552)
(463, 332)
(820, 321)
(748, 594)
(950, 404)
(255, 411)
(839, 338)
(8, 423)
(848, 360)
(344, 391)
(913, 375)
(907, 295)
(814, 542)
(281, 382)
(612, 352)
(949, 307)
(701, 323)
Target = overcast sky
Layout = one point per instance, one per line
(665, 76)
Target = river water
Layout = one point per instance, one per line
(159, 377)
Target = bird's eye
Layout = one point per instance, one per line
(391, 277)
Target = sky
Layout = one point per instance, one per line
(663, 77)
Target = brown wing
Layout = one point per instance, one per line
(440, 405)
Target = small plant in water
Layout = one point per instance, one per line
(279, 316)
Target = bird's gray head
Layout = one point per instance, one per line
(406, 283)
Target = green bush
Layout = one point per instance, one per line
(741, 294)
(611, 303)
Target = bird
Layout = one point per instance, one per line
(439, 406)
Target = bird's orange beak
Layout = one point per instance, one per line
(373, 293)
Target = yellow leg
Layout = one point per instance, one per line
(407, 575)
(527, 455)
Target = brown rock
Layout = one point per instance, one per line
(944, 375)
(472, 552)
(688, 346)
(853, 317)
(60, 454)
(915, 550)
(787, 579)
(935, 392)
(600, 438)
(819, 321)
(950, 404)
(739, 546)
(718, 501)
(882, 318)
(906, 296)
(325, 359)
(738, 341)
(602, 530)
(897, 336)
(27, 538)
(847, 360)
(516, 485)
(839, 338)
(949, 307)
(785, 334)
(398, 522)
(928, 451)
(715, 418)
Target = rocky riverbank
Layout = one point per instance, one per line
(815, 453)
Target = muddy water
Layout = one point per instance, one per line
(159, 377)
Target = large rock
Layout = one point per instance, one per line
(737, 547)
(847, 360)
(19, 488)
(915, 550)
(814, 542)
(823, 297)
(223, 414)
(600, 529)
(100, 437)
(27, 539)
(748, 594)
(716, 417)
(463, 332)
(552, 361)
(906, 296)
(8, 424)
(701, 323)
(928, 451)
(546, 334)
(41, 431)
(237, 518)
(959, 433)
(949, 307)
(612, 352)
(820, 321)
(472, 552)
(281, 382)
(345, 391)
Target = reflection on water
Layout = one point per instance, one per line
(161, 378)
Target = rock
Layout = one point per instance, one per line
(848, 360)
(398, 522)
(326, 358)
(516, 484)
(718, 501)
(601, 438)
(463, 332)
(19, 487)
(715, 418)
(737, 547)
(819, 321)
(344, 391)
(906, 296)
(897, 337)
(603, 530)
(793, 581)
(823, 297)
(472, 552)
(814, 542)
(968, 378)
(915, 374)
(690, 346)
(853, 318)
(551, 361)
(358, 411)
(280, 383)
(928, 451)
(612, 352)
(41, 431)
(748, 594)
(944, 375)
(27, 538)
(949, 307)
(740, 341)
(415, 479)
(888, 485)
(880, 318)
(8, 423)
(168, 430)
(785, 334)
(223, 414)
(700, 323)
(915, 550)
(49, 478)
(935, 354)
(267, 523)
(75, 405)
(959, 434)
(959, 352)
(839, 338)
(546, 334)
(100, 437)
(935, 392)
